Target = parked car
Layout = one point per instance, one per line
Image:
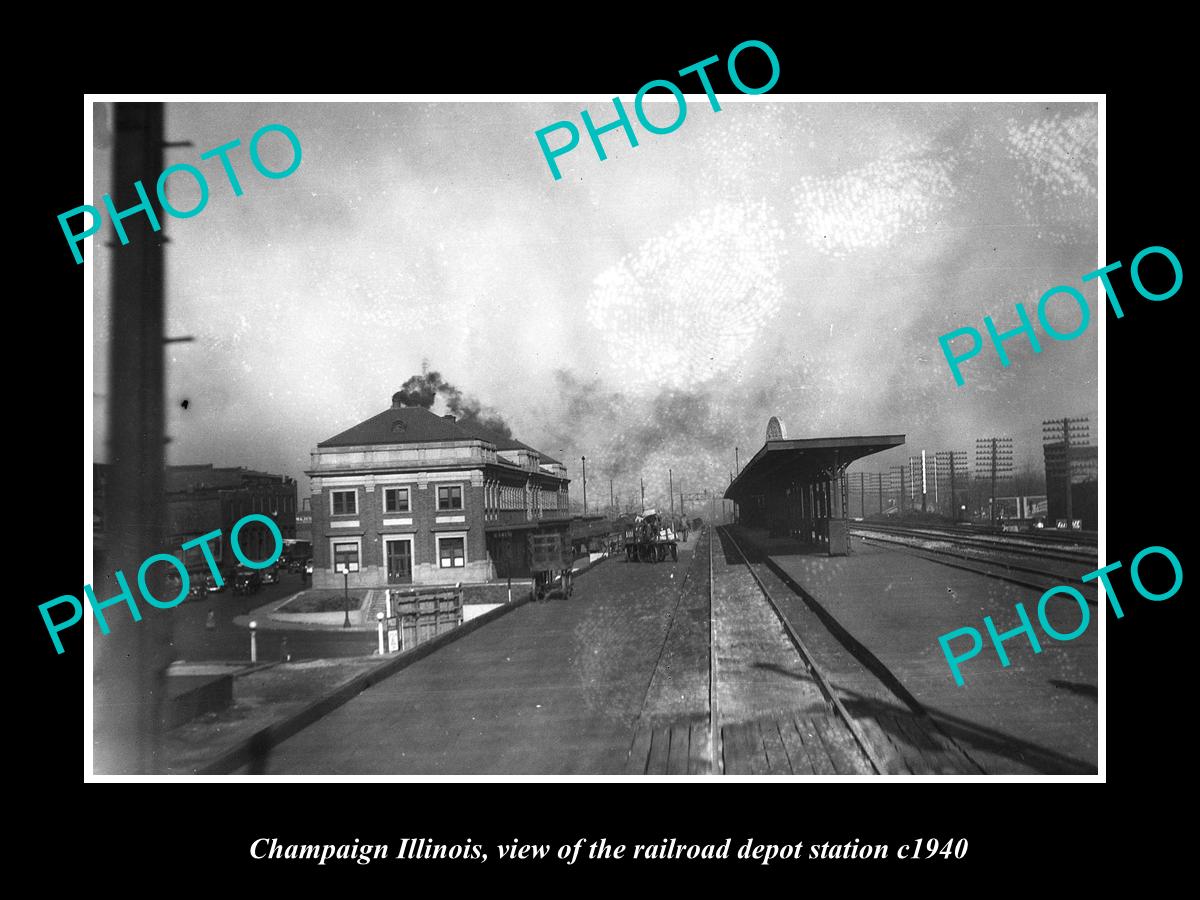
(210, 584)
(269, 575)
(197, 591)
(246, 582)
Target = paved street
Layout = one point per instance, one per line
(194, 642)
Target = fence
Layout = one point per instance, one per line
(423, 614)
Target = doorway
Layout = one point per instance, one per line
(398, 552)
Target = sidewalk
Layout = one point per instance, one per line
(265, 621)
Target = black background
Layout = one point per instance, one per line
(199, 836)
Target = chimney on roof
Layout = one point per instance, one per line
(449, 416)
(396, 404)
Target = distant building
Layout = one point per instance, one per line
(204, 498)
(411, 497)
(1079, 467)
(304, 520)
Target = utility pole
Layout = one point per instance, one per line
(924, 485)
(953, 493)
(862, 494)
(643, 483)
(993, 482)
(611, 504)
(671, 490)
(584, 458)
(736, 463)
(936, 502)
(129, 672)
(881, 493)
(1067, 462)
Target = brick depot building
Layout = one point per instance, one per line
(412, 497)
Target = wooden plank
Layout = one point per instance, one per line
(677, 757)
(777, 758)
(739, 750)
(818, 754)
(892, 757)
(735, 756)
(945, 756)
(955, 755)
(793, 744)
(908, 746)
(848, 758)
(639, 752)
(917, 735)
(758, 753)
(660, 745)
(698, 761)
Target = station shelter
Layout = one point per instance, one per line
(798, 487)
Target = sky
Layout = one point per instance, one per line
(650, 311)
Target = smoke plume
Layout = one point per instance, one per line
(423, 390)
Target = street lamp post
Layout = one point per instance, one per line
(584, 458)
(346, 594)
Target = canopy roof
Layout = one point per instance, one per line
(780, 463)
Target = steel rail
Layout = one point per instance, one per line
(827, 689)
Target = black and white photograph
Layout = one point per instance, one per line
(722, 435)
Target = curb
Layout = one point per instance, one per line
(258, 745)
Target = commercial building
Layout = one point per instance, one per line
(411, 497)
(205, 498)
(1077, 467)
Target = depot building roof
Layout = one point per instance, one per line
(781, 462)
(415, 424)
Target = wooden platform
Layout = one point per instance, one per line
(913, 745)
(792, 744)
(675, 748)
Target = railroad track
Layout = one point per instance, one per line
(1016, 545)
(1044, 535)
(827, 690)
(760, 700)
(990, 566)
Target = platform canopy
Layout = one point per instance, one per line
(783, 462)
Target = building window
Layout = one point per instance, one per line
(450, 497)
(345, 556)
(395, 500)
(345, 503)
(194, 559)
(452, 552)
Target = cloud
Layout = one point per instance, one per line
(690, 302)
(868, 207)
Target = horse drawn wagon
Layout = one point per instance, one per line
(650, 539)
